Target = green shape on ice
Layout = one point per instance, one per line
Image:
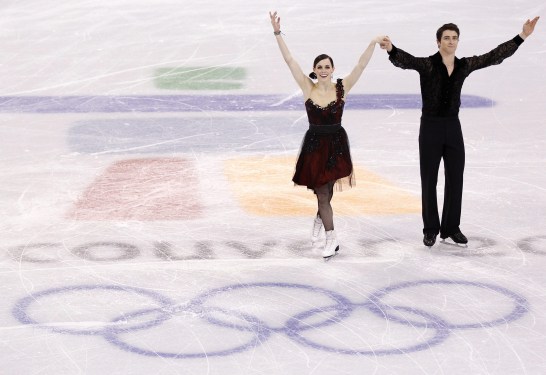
(200, 78)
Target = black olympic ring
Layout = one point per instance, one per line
(259, 331)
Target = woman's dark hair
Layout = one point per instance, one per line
(447, 26)
(317, 59)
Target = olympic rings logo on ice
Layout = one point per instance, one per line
(305, 327)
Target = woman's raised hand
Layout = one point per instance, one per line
(275, 21)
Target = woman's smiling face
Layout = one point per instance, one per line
(324, 69)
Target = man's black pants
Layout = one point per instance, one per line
(441, 137)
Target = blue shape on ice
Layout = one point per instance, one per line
(206, 103)
(186, 134)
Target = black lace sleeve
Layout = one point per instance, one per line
(495, 56)
(404, 60)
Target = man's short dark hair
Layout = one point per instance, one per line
(447, 26)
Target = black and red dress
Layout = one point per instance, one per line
(325, 155)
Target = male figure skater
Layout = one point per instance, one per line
(442, 76)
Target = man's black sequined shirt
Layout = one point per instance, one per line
(440, 92)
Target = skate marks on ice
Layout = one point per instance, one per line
(205, 103)
(112, 251)
(398, 319)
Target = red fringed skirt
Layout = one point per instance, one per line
(324, 157)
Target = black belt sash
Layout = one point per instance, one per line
(325, 129)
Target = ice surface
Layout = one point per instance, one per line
(149, 224)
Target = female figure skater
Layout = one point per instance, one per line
(324, 159)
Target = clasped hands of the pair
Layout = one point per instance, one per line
(384, 41)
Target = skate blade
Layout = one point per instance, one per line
(326, 259)
(450, 243)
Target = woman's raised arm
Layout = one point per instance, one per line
(303, 81)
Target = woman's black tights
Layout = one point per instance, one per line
(324, 195)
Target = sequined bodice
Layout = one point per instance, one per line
(329, 115)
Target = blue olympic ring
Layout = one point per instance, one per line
(295, 327)
(258, 336)
(434, 322)
(21, 307)
(259, 328)
(520, 304)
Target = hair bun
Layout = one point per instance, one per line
(313, 75)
